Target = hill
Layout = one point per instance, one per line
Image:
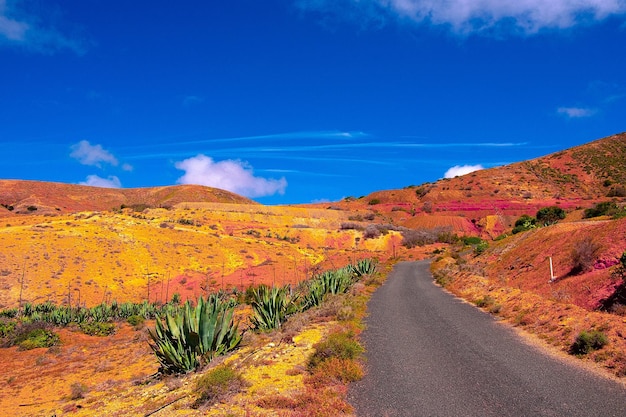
(28, 197)
(487, 202)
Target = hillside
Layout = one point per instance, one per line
(487, 202)
(36, 197)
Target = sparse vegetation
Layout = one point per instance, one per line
(339, 345)
(606, 208)
(97, 328)
(34, 335)
(218, 384)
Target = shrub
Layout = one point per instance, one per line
(77, 391)
(97, 328)
(550, 215)
(371, 232)
(587, 341)
(524, 223)
(413, 238)
(33, 336)
(471, 240)
(606, 208)
(481, 247)
(351, 226)
(218, 384)
(617, 191)
(7, 327)
(485, 301)
(136, 321)
(583, 255)
(331, 369)
(374, 201)
(620, 270)
(341, 345)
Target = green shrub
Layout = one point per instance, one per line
(524, 223)
(341, 345)
(33, 338)
(471, 240)
(97, 328)
(7, 327)
(218, 384)
(136, 321)
(606, 208)
(485, 301)
(587, 341)
(550, 215)
(374, 201)
(481, 247)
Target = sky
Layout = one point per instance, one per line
(300, 101)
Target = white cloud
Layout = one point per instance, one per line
(95, 181)
(235, 176)
(88, 154)
(28, 32)
(576, 112)
(468, 16)
(459, 170)
(11, 29)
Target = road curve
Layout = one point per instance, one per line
(431, 354)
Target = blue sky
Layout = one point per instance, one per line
(295, 101)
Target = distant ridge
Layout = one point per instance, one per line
(39, 197)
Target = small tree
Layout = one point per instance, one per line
(550, 215)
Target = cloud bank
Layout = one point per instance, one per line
(470, 16)
(459, 170)
(95, 181)
(235, 176)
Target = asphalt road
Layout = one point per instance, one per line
(431, 354)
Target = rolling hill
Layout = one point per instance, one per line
(36, 197)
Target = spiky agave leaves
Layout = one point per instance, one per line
(316, 290)
(364, 267)
(184, 341)
(272, 306)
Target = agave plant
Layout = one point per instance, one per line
(315, 294)
(272, 306)
(185, 341)
(364, 267)
(337, 281)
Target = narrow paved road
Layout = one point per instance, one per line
(430, 354)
